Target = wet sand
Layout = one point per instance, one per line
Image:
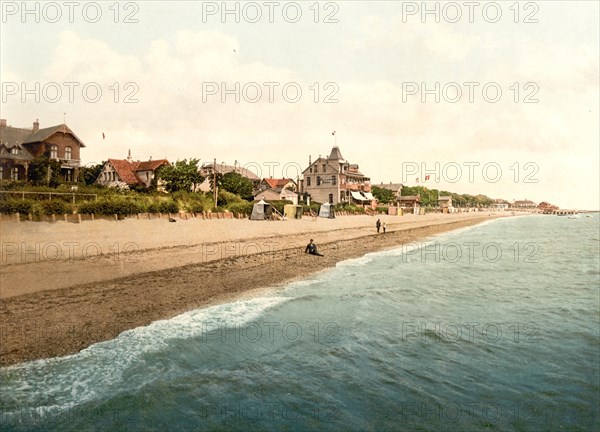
(53, 307)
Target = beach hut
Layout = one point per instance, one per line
(291, 211)
(326, 211)
(261, 211)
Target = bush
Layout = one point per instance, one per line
(168, 207)
(314, 207)
(225, 198)
(22, 206)
(111, 206)
(57, 207)
(382, 209)
(153, 208)
(195, 207)
(241, 208)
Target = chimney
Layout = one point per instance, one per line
(309, 159)
(150, 159)
(2, 123)
(36, 125)
(129, 155)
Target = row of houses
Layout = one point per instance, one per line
(330, 179)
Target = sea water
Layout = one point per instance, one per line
(493, 327)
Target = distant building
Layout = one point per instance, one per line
(500, 204)
(445, 201)
(524, 204)
(127, 173)
(208, 169)
(19, 146)
(410, 201)
(272, 194)
(395, 188)
(271, 183)
(335, 180)
(545, 206)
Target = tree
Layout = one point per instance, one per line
(44, 171)
(89, 174)
(236, 183)
(383, 195)
(182, 175)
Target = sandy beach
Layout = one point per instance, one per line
(66, 286)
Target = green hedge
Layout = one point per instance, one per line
(23, 206)
(241, 207)
(112, 207)
(57, 207)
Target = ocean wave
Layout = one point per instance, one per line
(102, 368)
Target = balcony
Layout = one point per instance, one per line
(69, 163)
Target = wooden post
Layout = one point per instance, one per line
(18, 217)
(78, 218)
(116, 217)
(53, 217)
(92, 216)
(66, 218)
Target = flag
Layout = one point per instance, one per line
(426, 177)
(333, 133)
(102, 135)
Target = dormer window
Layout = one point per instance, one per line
(14, 150)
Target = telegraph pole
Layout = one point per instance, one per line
(215, 193)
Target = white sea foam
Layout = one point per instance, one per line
(100, 369)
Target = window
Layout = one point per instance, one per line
(68, 152)
(307, 181)
(324, 167)
(15, 173)
(14, 150)
(1, 172)
(333, 180)
(147, 175)
(114, 176)
(53, 152)
(310, 170)
(318, 180)
(330, 198)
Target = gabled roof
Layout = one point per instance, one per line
(125, 170)
(394, 187)
(46, 133)
(151, 165)
(12, 135)
(410, 198)
(277, 183)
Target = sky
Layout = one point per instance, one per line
(498, 98)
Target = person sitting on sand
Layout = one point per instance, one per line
(311, 249)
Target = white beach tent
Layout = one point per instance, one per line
(261, 211)
(327, 211)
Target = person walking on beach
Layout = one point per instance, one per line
(311, 249)
(384, 227)
(378, 225)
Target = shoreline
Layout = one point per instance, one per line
(60, 321)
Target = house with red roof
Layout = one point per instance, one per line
(271, 183)
(20, 146)
(127, 173)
